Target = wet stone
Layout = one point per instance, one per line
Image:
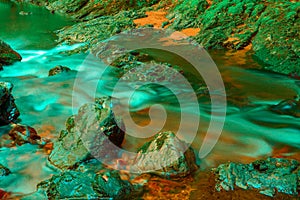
(8, 109)
(72, 184)
(58, 69)
(267, 176)
(7, 55)
(166, 156)
(4, 171)
(287, 107)
(21, 134)
(90, 133)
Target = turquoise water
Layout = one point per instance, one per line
(250, 130)
(32, 31)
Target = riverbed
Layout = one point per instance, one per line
(250, 131)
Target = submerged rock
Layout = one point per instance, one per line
(71, 185)
(58, 69)
(22, 134)
(8, 109)
(267, 176)
(88, 133)
(166, 156)
(7, 55)
(4, 171)
(287, 107)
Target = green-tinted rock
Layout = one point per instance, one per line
(8, 109)
(79, 185)
(187, 14)
(267, 176)
(277, 42)
(94, 127)
(7, 55)
(272, 27)
(93, 31)
(166, 156)
(90, 9)
(4, 171)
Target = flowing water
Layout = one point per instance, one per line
(251, 131)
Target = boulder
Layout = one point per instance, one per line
(165, 155)
(7, 55)
(268, 27)
(78, 185)
(88, 133)
(267, 176)
(8, 109)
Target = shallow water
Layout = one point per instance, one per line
(250, 130)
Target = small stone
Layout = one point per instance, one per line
(79, 185)
(58, 69)
(4, 171)
(287, 107)
(22, 134)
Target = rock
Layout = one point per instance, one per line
(7, 55)
(88, 133)
(89, 9)
(8, 109)
(166, 156)
(287, 107)
(110, 183)
(4, 171)
(142, 67)
(267, 176)
(58, 69)
(93, 31)
(187, 14)
(78, 185)
(269, 27)
(22, 134)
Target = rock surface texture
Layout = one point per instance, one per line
(267, 176)
(7, 55)
(89, 132)
(8, 109)
(167, 156)
(78, 185)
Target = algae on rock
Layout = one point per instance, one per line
(267, 176)
(93, 127)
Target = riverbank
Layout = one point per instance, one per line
(268, 30)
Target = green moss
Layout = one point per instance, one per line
(160, 140)
(187, 14)
(144, 148)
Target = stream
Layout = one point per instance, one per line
(250, 131)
